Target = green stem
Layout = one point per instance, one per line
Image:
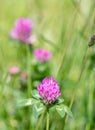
(29, 72)
(4, 83)
(29, 82)
(47, 122)
(40, 120)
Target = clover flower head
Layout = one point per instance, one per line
(22, 30)
(49, 90)
(14, 70)
(42, 55)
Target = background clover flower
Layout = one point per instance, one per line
(14, 70)
(42, 55)
(22, 30)
(24, 75)
(49, 90)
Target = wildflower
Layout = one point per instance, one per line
(42, 55)
(22, 30)
(14, 70)
(49, 90)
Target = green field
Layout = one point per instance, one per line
(64, 27)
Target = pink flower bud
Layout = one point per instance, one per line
(14, 70)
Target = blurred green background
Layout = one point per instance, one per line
(65, 28)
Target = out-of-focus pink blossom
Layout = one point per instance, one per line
(24, 75)
(22, 30)
(14, 70)
(49, 90)
(42, 55)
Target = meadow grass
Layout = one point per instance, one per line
(64, 27)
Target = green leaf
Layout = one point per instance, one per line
(26, 102)
(60, 100)
(35, 94)
(68, 111)
(38, 109)
(41, 68)
(60, 110)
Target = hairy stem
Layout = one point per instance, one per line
(40, 120)
(29, 72)
(47, 122)
(29, 89)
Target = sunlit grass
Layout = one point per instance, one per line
(65, 28)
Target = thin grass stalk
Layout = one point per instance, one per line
(79, 78)
(83, 64)
(53, 44)
(86, 25)
(90, 102)
(2, 87)
(68, 34)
